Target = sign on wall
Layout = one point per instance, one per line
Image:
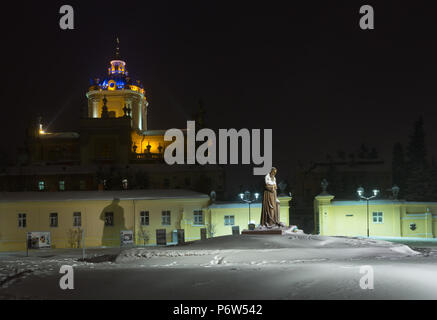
(38, 240)
(126, 237)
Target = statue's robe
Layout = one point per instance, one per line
(270, 208)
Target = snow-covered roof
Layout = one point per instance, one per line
(240, 204)
(152, 194)
(48, 170)
(380, 202)
(92, 169)
(226, 205)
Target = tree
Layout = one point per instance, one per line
(211, 229)
(143, 234)
(416, 150)
(418, 180)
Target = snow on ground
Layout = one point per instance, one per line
(232, 267)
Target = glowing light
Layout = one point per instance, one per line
(41, 130)
(111, 85)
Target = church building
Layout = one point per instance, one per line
(112, 149)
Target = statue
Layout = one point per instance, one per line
(324, 184)
(270, 205)
(282, 186)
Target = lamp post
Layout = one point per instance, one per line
(360, 192)
(249, 199)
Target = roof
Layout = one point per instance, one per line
(380, 202)
(154, 194)
(92, 169)
(234, 205)
(240, 204)
(60, 135)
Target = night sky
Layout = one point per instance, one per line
(307, 71)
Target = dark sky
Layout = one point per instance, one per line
(306, 70)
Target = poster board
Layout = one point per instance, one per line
(126, 237)
(39, 240)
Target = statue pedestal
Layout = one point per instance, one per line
(264, 231)
(279, 230)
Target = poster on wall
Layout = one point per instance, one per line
(39, 240)
(126, 237)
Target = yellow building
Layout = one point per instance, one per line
(101, 215)
(383, 218)
(113, 149)
(224, 215)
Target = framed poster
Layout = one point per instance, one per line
(39, 240)
(126, 237)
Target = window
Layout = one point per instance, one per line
(378, 217)
(166, 183)
(22, 220)
(198, 217)
(188, 181)
(53, 219)
(61, 185)
(166, 218)
(144, 218)
(229, 220)
(104, 150)
(41, 185)
(109, 218)
(82, 184)
(77, 219)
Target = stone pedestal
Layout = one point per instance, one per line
(279, 230)
(264, 231)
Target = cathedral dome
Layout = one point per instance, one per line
(117, 78)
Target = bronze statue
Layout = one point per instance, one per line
(270, 205)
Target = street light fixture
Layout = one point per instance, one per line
(247, 197)
(360, 192)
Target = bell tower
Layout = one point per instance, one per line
(121, 93)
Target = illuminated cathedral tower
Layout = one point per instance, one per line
(117, 95)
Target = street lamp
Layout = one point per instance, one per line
(249, 199)
(360, 192)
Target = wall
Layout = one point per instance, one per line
(349, 218)
(126, 217)
(240, 211)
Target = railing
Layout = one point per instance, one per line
(147, 156)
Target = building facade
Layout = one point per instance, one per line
(112, 149)
(102, 215)
(383, 218)
(345, 174)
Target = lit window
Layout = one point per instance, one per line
(144, 218)
(61, 185)
(109, 219)
(378, 217)
(41, 185)
(22, 220)
(198, 217)
(166, 218)
(77, 219)
(53, 219)
(229, 220)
